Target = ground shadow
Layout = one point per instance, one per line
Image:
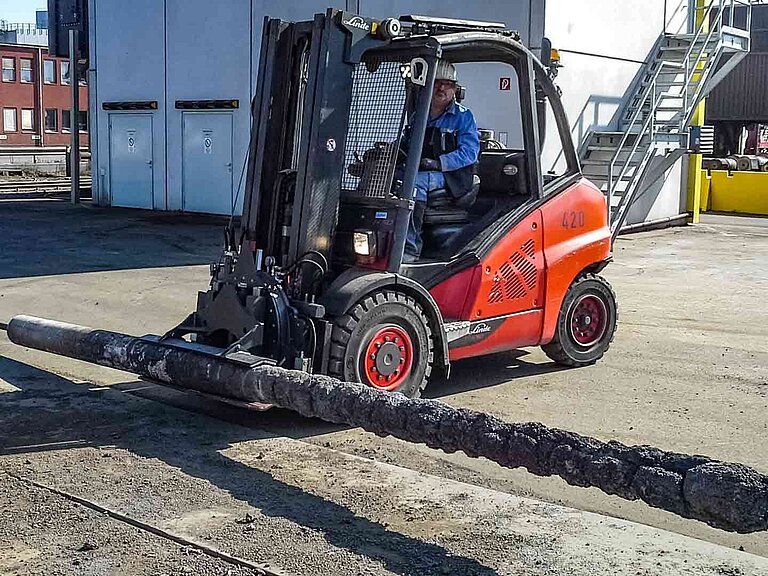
(483, 372)
(50, 413)
(45, 237)
(466, 375)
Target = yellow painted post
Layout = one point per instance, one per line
(695, 160)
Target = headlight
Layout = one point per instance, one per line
(364, 243)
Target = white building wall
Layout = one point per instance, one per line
(168, 50)
(127, 41)
(206, 59)
(493, 108)
(603, 44)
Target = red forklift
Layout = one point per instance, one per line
(314, 279)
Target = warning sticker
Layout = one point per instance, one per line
(207, 142)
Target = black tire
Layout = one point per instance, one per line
(359, 350)
(578, 342)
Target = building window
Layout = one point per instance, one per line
(66, 121)
(65, 72)
(26, 70)
(9, 119)
(82, 121)
(51, 121)
(9, 70)
(27, 119)
(50, 72)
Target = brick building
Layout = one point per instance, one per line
(35, 99)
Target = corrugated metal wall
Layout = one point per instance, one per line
(743, 95)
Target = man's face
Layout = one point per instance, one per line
(443, 93)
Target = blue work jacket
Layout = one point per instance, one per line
(460, 120)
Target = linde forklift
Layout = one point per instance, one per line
(314, 278)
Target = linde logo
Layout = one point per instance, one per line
(357, 22)
(481, 328)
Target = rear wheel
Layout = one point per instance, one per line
(587, 322)
(383, 341)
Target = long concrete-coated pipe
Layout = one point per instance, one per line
(729, 496)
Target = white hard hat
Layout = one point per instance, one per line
(446, 71)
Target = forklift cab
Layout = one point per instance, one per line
(392, 87)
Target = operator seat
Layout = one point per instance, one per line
(448, 224)
(443, 208)
(445, 217)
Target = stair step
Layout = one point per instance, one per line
(606, 153)
(668, 64)
(598, 148)
(712, 44)
(686, 37)
(661, 96)
(666, 85)
(618, 165)
(600, 176)
(669, 108)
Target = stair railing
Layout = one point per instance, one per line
(648, 128)
(701, 67)
(690, 102)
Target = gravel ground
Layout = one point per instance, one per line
(688, 372)
(300, 509)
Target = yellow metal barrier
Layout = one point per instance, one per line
(742, 192)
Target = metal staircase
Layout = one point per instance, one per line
(654, 122)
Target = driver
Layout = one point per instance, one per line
(453, 169)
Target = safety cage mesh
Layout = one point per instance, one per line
(376, 120)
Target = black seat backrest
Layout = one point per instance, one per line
(494, 180)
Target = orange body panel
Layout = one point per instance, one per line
(455, 294)
(576, 236)
(512, 277)
(513, 298)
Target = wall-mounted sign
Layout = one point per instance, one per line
(207, 141)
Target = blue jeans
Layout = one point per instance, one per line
(425, 183)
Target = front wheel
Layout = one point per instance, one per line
(586, 324)
(383, 341)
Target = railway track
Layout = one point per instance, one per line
(52, 185)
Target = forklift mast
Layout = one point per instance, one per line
(301, 118)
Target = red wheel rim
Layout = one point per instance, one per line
(388, 358)
(589, 319)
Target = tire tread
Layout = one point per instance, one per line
(555, 350)
(344, 325)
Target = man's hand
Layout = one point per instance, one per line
(429, 165)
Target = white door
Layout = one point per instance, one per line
(130, 160)
(207, 162)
